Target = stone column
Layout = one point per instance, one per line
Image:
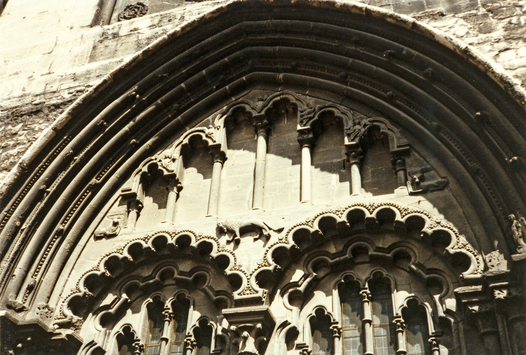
(354, 157)
(174, 187)
(165, 338)
(189, 345)
(337, 337)
(367, 322)
(134, 207)
(400, 170)
(400, 336)
(213, 201)
(261, 157)
(306, 139)
(433, 344)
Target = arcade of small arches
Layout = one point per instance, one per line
(298, 189)
(367, 279)
(331, 141)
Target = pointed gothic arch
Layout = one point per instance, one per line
(458, 116)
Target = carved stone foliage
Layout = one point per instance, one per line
(44, 311)
(496, 261)
(251, 328)
(133, 10)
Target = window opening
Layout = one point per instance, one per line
(352, 315)
(417, 334)
(322, 342)
(155, 327)
(180, 308)
(203, 338)
(383, 327)
(125, 342)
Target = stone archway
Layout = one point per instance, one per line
(276, 61)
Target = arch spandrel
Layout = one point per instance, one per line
(110, 173)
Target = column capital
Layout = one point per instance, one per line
(261, 127)
(434, 344)
(398, 163)
(168, 314)
(366, 295)
(354, 153)
(189, 342)
(336, 330)
(399, 323)
(138, 347)
(306, 137)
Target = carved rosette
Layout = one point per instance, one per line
(133, 10)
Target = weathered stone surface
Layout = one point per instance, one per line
(148, 221)
(21, 125)
(56, 49)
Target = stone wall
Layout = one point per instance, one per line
(55, 54)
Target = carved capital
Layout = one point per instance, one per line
(189, 342)
(168, 314)
(366, 295)
(398, 163)
(306, 137)
(218, 154)
(354, 154)
(433, 343)
(336, 330)
(138, 348)
(399, 324)
(261, 126)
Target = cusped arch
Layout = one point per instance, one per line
(57, 189)
(306, 241)
(143, 251)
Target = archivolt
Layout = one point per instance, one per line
(436, 89)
